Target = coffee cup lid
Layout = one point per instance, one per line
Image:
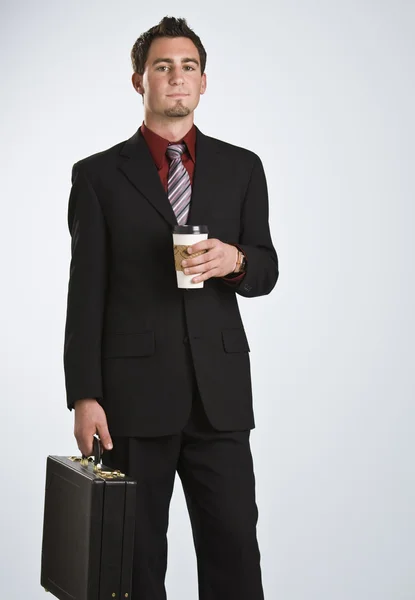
(190, 229)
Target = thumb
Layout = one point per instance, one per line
(104, 436)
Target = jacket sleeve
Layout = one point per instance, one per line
(86, 291)
(255, 239)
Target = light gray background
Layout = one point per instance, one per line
(324, 93)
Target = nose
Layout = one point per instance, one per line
(176, 76)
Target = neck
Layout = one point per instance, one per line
(172, 129)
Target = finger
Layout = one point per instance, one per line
(203, 245)
(215, 252)
(204, 258)
(206, 275)
(85, 445)
(198, 260)
(104, 435)
(212, 264)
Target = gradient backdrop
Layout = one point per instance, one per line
(323, 91)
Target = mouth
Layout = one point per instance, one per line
(177, 95)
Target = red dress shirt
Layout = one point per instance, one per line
(158, 147)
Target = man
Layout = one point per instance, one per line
(160, 373)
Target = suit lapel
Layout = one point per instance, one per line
(137, 164)
(206, 180)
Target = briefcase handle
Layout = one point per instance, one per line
(96, 451)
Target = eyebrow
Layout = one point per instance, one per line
(171, 61)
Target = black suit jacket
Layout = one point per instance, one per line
(128, 325)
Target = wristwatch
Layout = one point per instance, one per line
(240, 263)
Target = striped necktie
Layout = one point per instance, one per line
(179, 189)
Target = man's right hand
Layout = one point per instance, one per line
(90, 419)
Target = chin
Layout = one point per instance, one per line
(177, 111)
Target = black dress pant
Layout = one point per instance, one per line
(216, 472)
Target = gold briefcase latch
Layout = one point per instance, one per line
(84, 461)
(97, 468)
(107, 474)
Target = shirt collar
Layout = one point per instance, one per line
(158, 145)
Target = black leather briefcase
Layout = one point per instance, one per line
(88, 529)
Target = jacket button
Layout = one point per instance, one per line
(185, 340)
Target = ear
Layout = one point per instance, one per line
(203, 84)
(137, 81)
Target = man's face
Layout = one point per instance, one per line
(172, 81)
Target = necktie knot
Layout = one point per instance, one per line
(175, 151)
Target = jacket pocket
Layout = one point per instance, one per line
(120, 345)
(234, 340)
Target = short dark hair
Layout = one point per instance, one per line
(168, 27)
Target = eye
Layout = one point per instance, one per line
(162, 67)
(189, 67)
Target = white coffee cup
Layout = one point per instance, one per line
(183, 237)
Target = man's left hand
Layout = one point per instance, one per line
(218, 261)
